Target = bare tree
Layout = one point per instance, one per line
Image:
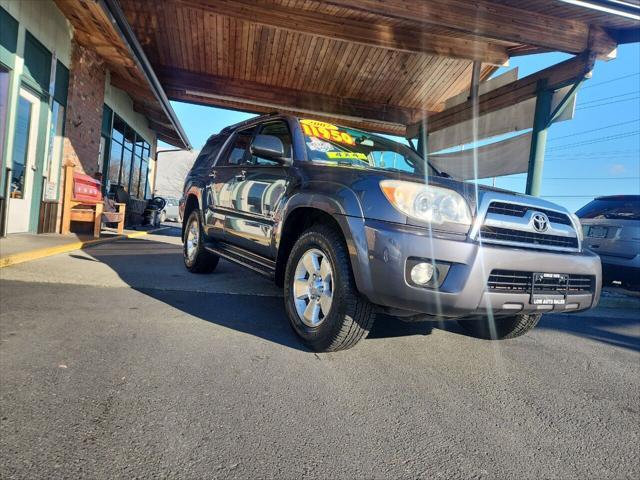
(173, 167)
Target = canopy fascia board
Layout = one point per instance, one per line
(491, 20)
(119, 22)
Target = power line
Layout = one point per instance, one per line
(570, 196)
(635, 92)
(629, 152)
(594, 130)
(610, 81)
(607, 103)
(597, 140)
(576, 178)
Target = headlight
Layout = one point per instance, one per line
(427, 203)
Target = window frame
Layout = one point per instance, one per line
(259, 128)
(221, 161)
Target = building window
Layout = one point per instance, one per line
(20, 148)
(56, 133)
(127, 165)
(55, 151)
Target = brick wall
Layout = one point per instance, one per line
(84, 110)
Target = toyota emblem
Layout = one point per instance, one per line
(540, 222)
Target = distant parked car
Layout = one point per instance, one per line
(611, 228)
(171, 212)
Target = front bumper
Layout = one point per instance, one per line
(379, 252)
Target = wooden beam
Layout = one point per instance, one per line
(556, 76)
(241, 106)
(274, 97)
(486, 19)
(134, 90)
(413, 40)
(149, 111)
(628, 35)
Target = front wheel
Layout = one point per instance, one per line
(323, 305)
(196, 258)
(501, 328)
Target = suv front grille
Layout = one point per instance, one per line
(514, 281)
(515, 210)
(530, 238)
(517, 224)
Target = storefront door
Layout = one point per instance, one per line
(24, 161)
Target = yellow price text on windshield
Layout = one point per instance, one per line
(331, 134)
(318, 123)
(346, 155)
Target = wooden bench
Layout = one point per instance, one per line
(83, 203)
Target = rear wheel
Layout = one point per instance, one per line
(501, 328)
(323, 305)
(196, 258)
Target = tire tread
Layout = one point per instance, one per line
(359, 313)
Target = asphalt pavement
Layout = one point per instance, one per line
(117, 363)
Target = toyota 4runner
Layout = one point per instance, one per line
(352, 224)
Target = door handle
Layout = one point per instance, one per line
(242, 176)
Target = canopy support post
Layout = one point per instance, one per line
(539, 138)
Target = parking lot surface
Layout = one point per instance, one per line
(116, 362)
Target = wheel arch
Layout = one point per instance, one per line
(298, 220)
(192, 202)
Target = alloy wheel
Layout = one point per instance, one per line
(313, 287)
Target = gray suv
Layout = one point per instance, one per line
(611, 227)
(352, 224)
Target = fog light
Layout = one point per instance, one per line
(422, 273)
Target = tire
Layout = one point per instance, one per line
(349, 316)
(505, 327)
(196, 258)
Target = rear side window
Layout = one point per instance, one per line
(209, 152)
(615, 208)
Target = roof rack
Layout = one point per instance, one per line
(250, 121)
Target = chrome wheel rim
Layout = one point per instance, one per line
(192, 240)
(313, 287)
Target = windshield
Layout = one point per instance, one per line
(336, 145)
(617, 208)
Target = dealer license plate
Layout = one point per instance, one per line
(549, 288)
(596, 231)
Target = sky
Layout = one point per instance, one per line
(596, 153)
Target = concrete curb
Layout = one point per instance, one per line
(67, 247)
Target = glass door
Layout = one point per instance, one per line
(23, 166)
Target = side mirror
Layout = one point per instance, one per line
(268, 146)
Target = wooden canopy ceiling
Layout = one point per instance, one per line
(376, 64)
(95, 29)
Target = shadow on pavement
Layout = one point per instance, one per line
(263, 315)
(596, 326)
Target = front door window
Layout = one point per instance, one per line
(23, 161)
(20, 148)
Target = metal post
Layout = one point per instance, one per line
(423, 141)
(4, 215)
(538, 139)
(474, 88)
